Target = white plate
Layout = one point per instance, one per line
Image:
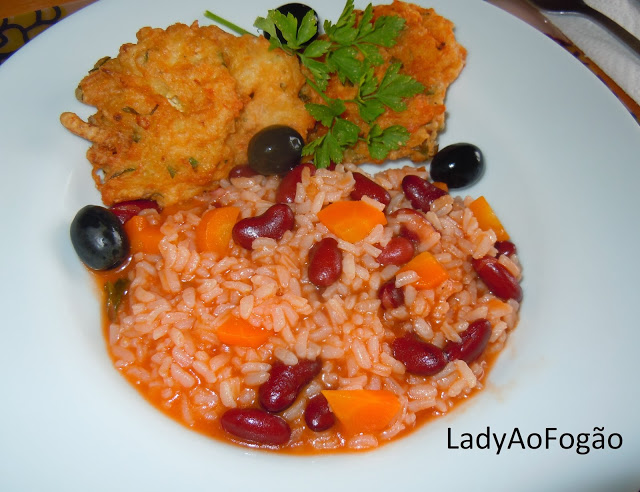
(563, 168)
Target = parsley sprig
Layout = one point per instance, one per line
(351, 51)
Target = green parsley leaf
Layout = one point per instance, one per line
(312, 147)
(381, 142)
(369, 83)
(385, 31)
(365, 26)
(308, 28)
(322, 152)
(346, 134)
(344, 61)
(317, 48)
(350, 51)
(341, 30)
(288, 26)
(390, 92)
(319, 148)
(321, 112)
(115, 291)
(370, 110)
(267, 24)
(331, 146)
(319, 70)
(371, 54)
(395, 86)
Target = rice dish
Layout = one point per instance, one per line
(164, 336)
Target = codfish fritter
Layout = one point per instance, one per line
(176, 110)
(429, 52)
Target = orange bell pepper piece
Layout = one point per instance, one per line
(213, 233)
(441, 185)
(363, 410)
(487, 219)
(351, 221)
(143, 236)
(237, 331)
(430, 271)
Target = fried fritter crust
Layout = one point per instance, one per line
(176, 110)
(429, 52)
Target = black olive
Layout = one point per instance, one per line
(458, 165)
(298, 10)
(99, 238)
(275, 149)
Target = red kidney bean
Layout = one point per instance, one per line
(365, 186)
(422, 358)
(390, 295)
(285, 382)
(125, 210)
(417, 229)
(273, 223)
(409, 234)
(505, 248)
(242, 172)
(497, 278)
(474, 341)
(288, 184)
(398, 251)
(420, 192)
(325, 262)
(255, 425)
(318, 414)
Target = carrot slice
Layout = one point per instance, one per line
(430, 271)
(143, 236)
(351, 221)
(213, 233)
(441, 185)
(487, 219)
(237, 331)
(363, 410)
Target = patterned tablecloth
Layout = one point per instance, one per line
(17, 30)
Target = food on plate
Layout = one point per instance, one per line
(274, 302)
(458, 165)
(275, 149)
(298, 11)
(297, 333)
(176, 110)
(418, 65)
(99, 238)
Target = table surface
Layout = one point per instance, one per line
(9, 8)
